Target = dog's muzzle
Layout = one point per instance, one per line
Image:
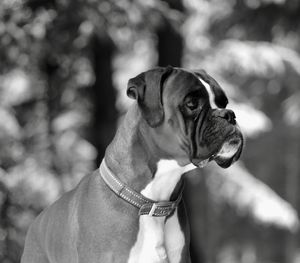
(221, 139)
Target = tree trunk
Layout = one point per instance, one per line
(103, 94)
(170, 41)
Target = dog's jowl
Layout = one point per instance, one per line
(130, 209)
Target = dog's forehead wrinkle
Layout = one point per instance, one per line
(183, 77)
(179, 85)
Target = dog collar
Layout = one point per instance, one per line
(145, 205)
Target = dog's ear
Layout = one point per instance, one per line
(147, 89)
(220, 96)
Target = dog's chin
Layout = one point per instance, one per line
(228, 153)
(224, 163)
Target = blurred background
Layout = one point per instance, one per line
(64, 67)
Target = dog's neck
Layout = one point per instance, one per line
(136, 160)
(130, 155)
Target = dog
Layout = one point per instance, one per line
(130, 209)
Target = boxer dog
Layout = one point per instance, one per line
(130, 210)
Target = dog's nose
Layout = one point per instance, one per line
(227, 115)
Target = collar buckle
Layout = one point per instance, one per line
(152, 210)
(157, 209)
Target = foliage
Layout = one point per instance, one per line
(238, 187)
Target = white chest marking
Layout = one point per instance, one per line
(159, 241)
(210, 94)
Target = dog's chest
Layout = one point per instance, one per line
(159, 240)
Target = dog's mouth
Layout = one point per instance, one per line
(228, 153)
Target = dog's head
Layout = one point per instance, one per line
(177, 105)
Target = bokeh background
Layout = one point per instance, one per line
(64, 66)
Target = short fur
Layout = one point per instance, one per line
(90, 223)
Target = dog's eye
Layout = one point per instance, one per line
(192, 103)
